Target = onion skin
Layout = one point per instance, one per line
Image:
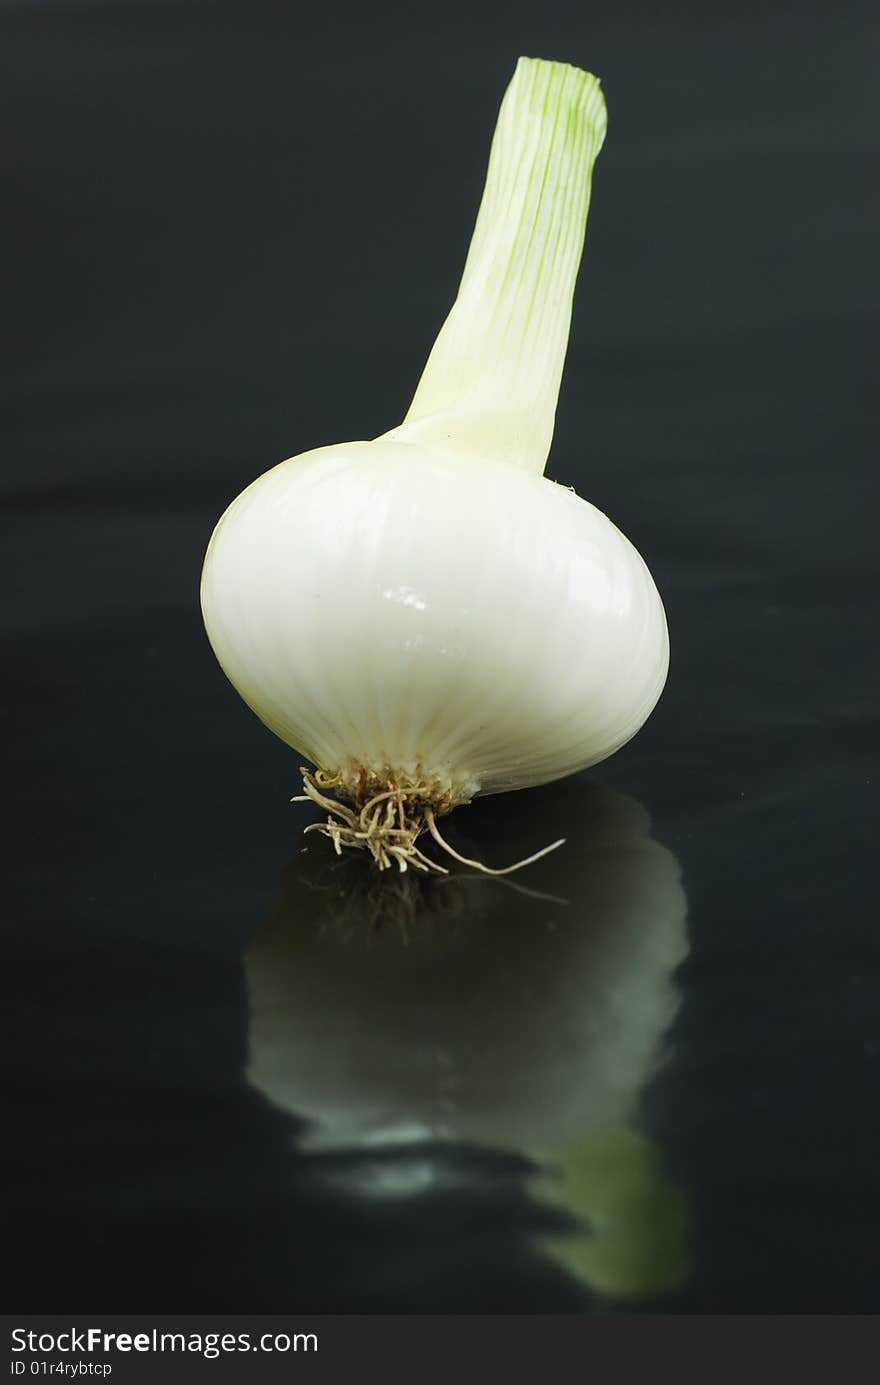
(388, 610)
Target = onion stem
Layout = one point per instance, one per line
(492, 380)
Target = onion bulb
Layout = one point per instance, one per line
(425, 616)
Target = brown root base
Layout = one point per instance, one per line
(389, 823)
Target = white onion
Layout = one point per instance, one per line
(425, 616)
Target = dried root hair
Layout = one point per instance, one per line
(390, 822)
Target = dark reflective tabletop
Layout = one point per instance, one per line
(245, 1076)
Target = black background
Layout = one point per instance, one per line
(231, 232)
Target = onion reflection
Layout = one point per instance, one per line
(525, 1016)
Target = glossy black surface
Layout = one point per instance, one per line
(239, 1080)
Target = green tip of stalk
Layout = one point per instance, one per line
(492, 380)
